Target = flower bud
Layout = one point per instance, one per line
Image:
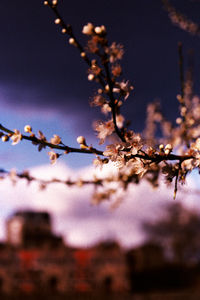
(64, 30)
(183, 111)
(81, 140)
(100, 91)
(168, 149)
(28, 128)
(57, 21)
(90, 77)
(168, 146)
(72, 41)
(5, 138)
(98, 30)
(161, 146)
(107, 88)
(88, 29)
(55, 140)
(178, 121)
(83, 54)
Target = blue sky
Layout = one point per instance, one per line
(24, 155)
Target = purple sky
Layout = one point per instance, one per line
(40, 70)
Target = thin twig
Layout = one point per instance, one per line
(69, 31)
(157, 158)
(68, 149)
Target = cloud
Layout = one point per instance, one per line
(80, 222)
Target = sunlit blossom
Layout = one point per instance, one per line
(16, 137)
(120, 121)
(56, 140)
(5, 138)
(100, 29)
(112, 151)
(137, 167)
(53, 157)
(106, 109)
(88, 29)
(81, 140)
(98, 100)
(28, 128)
(124, 88)
(116, 70)
(115, 52)
(136, 143)
(104, 129)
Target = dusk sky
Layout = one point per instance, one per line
(43, 81)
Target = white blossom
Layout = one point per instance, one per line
(28, 128)
(136, 143)
(56, 140)
(57, 21)
(53, 157)
(5, 138)
(120, 121)
(100, 29)
(88, 29)
(91, 77)
(124, 88)
(106, 109)
(104, 129)
(16, 137)
(98, 100)
(72, 41)
(115, 52)
(112, 151)
(168, 149)
(137, 167)
(81, 140)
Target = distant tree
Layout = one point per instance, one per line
(178, 232)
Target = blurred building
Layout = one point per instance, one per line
(33, 260)
(29, 228)
(36, 261)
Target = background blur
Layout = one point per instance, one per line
(44, 83)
